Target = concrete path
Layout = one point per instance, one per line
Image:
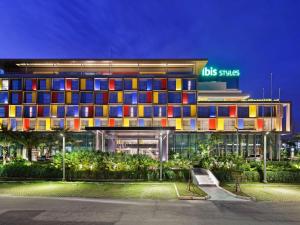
(218, 194)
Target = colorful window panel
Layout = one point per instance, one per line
(130, 98)
(130, 111)
(29, 97)
(115, 84)
(159, 111)
(58, 84)
(4, 84)
(43, 111)
(44, 98)
(100, 84)
(266, 111)
(101, 98)
(86, 84)
(189, 111)
(115, 111)
(160, 97)
(30, 84)
(203, 111)
(130, 84)
(145, 84)
(3, 97)
(189, 84)
(101, 111)
(44, 84)
(160, 84)
(3, 111)
(58, 97)
(72, 111)
(212, 123)
(72, 98)
(189, 98)
(243, 112)
(174, 84)
(86, 97)
(116, 97)
(174, 97)
(29, 111)
(223, 111)
(87, 111)
(16, 84)
(72, 84)
(232, 111)
(212, 111)
(145, 97)
(240, 124)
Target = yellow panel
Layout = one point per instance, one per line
(105, 110)
(82, 84)
(126, 122)
(48, 83)
(178, 84)
(193, 110)
(252, 110)
(120, 96)
(48, 124)
(68, 97)
(33, 97)
(91, 122)
(178, 124)
(141, 111)
(134, 83)
(0, 84)
(155, 97)
(54, 110)
(220, 124)
(1, 120)
(12, 111)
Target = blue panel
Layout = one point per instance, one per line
(189, 84)
(87, 97)
(18, 111)
(104, 84)
(28, 84)
(176, 112)
(241, 123)
(193, 124)
(99, 111)
(156, 84)
(118, 85)
(141, 123)
(162, 98)
(97, 85)
(44, 98)
(27, 111)
(159, 111)
(89, 84)
(46, 111)
(130, 98)
(134, 98)
(2, 111)
(171, 84)
(149, 85)
(15, 98)
(203, 112)
(174, 97)
(148, 111)
(75, 98)
(13, 124)
(60, 97)
(186, 111)
(61, 124)
(192, 98)
(72, 111)
(127, 84)
(75, 84)
(145, 84)
(16, 84)
(97, 122)
(99, 98)
(212, 111)
(60, 111)
(115, 111)
(113, 97)
(58, 84)
(3, 97)
(42, 84)
(28, 97)
(142, 97)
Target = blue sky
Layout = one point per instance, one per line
(259, 36)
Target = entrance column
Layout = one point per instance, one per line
(160, 156)
(97, 141)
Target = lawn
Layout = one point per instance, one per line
(269, 192)
(138, 190)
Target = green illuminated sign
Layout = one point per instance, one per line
(214, 72)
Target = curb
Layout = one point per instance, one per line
(193, 197)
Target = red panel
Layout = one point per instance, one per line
(212, 124)
(184, 98)
(26, 124)
(54, 97)
(40, 111)
(170, 111)
(260, 124)
(163, 84)
(163, 122)
(34, 84)
(76, 124)
(91, 111)
(111, 84)
(6, 111)
(232, 111)
(68, 84)
(149, 97)
(126, 110)
(20, 98)
(111, 122)
(105, 97)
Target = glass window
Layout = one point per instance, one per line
(16, 84)
(72, 111)
(60, 112)
(101, 98)
(130, 111)
(29, 97)
(189, 98)
(266, 111)
(43, 111)
(115, 111)
(116, 97)
(148, 111)
(174, 97)
(101, 84)
(160, 84)
(171, 84)
(145, 84)
(243, 112)
(43, 84)
(223, 111)
(176, 111)
(4, 85)
(3, 97)
(30, 84)
(99, 111)
(162, 98)
(44, 98)
(86, 111)
(29, 111)
(89, 84)
(18, 111)
(145, 97)
(159, 111)
(203, 111)
(87, 97)
(189, 84)
(58, 97)
(127, 84)
(3, 111)
(58, 84)
(130, 98)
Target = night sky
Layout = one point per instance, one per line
(258, 36)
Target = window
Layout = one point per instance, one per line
(101, 98)
(116, 97)
(58, 97)
(243, 112)
(44, 98)
(176, 111)
(101, 84)
(72, 98)
(18, 111)
(189, 84)
(60, 112)
(29, 97)
(29, 111)
(16, 84)
(72, 84)
(3, 111)
(58, 84)
(266, 111)
(43, 111)
(30, 84)
(223, 111)
(44, 84)
(4, 85)
(160, 97)
(145, 84)
(3, 97)
(115, 84)
(160, 84)
(115, 111)
(130, 98)
(130, 111)
(145, 97)
(203, 111)
(174, 97)
(99, 111)
(189, 98)
(148, 111)
(72, 111)
(159, 111)
(86, 97)
(87, 111)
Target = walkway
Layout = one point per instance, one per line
(218, 194)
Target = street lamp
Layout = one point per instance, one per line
(63, 156)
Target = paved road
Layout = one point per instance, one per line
(33, 211)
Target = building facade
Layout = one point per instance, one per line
(138, 106)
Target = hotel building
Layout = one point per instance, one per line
(138, 106)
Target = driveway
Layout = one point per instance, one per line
(67, 211)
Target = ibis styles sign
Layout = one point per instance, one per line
(214, 72)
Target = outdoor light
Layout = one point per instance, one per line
(63, 156)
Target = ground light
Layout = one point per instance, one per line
(63, 156)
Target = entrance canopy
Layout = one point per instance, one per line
(151, 141)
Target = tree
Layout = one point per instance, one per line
(5, 141)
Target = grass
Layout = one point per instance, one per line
(269, 192)
(138, 190)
